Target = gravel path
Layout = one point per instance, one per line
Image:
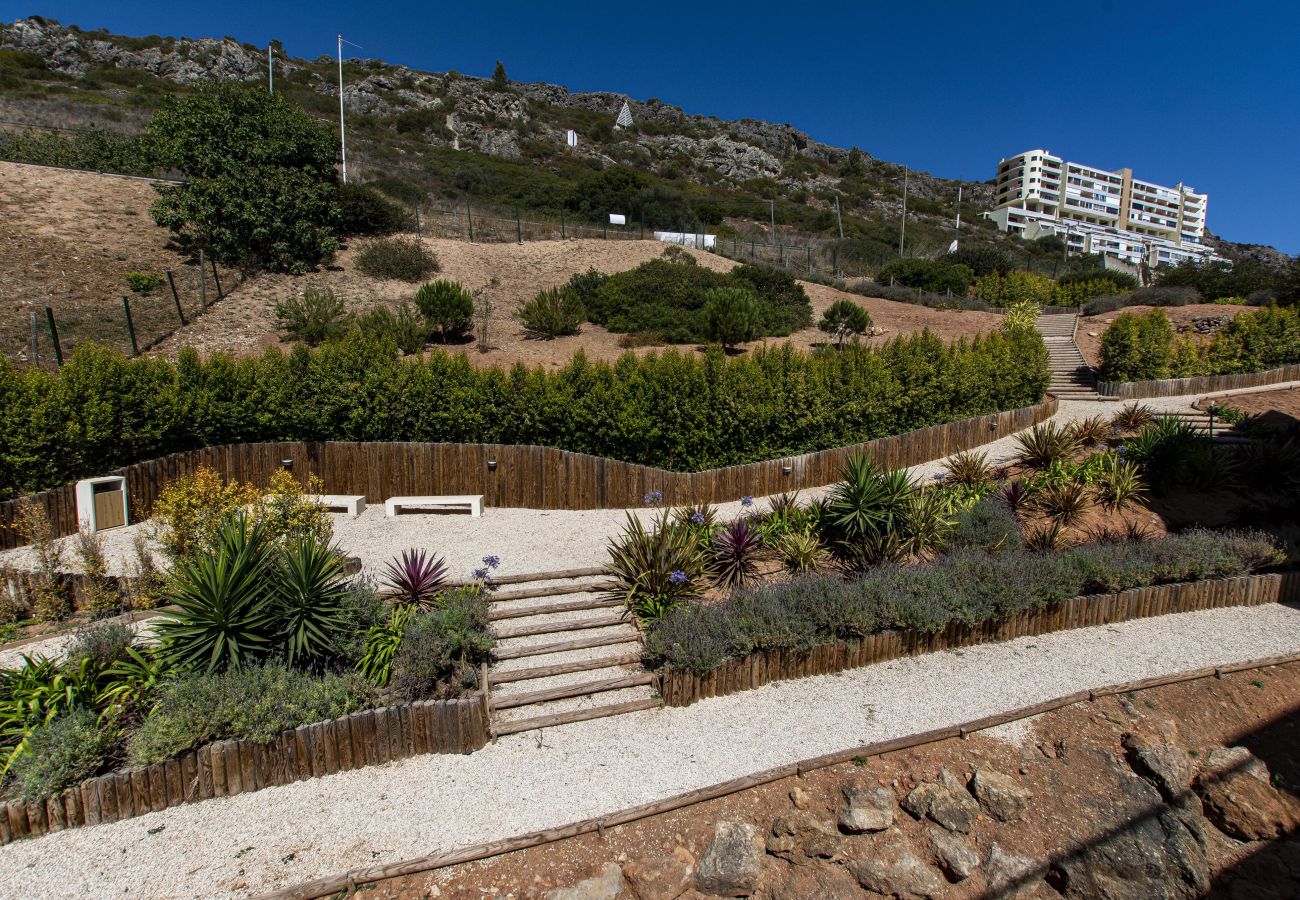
(255, 842)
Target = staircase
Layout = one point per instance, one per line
(1222, 433)
(564, 653)
(1072, 377)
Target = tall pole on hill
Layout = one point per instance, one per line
(957, 231)
(343, 136)
(838, 218)
(270, 71)
(902, 228)
(771, 205)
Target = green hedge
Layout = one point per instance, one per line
(676, 410)
(1144, 346)
(968, 587)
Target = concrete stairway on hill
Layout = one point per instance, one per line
(1072, 377)
(564, 653)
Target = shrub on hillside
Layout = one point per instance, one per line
(1147, 296)
(845, 319)
(731, 316)
(553, 313)
(982, 260)
(1123, 281)
(919, 297)
(448, 308)
(397, 259)
(314, 317)
(363, 210)
(935, 276)
(1213, 280)
(1015, 287)
(405, 327)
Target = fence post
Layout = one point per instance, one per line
(418, 231)
(203, 288)
(562, 234)
(216, 279)
(835, 262)
(809, 249)
(469, 218)
(519, 227)
(177, 297)
(780, 252)
(130, 326)
(751, 249)
(607, 228)
(54, 335)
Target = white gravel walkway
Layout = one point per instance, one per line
(255, 842)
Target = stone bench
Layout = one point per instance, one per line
(473, 501)
(351, 504)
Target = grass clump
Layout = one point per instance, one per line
(555, 312)
(397, 259)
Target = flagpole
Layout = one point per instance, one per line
(343, 136)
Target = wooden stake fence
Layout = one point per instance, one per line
(1202, 384)
(227, 768)
(682, 687)
(529, 477)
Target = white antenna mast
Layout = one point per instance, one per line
(343, 137)
(270, 71)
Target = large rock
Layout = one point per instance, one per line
(890, 867)
(665, 878)
(867, 809)
(947, 803)
(1004, 799)
(1153, 857)
(1242, 803)
(1224, 758)
(731, 865)
(800, 837)
(817, 883)
(1164, 765)
(1009, 875)
(955, 854)
(608, 885)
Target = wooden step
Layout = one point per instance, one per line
(558, 575)
(567, 606)
(582, 689)
(581, 715)
(584, 665)
(586, 643)
(558, 627)
(578, 587)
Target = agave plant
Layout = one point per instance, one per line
(1045, 444)
(660, 566)
(309, 588)
(1066, 503)
(733, 559)
(970, 468)
(1132, 417)
(414, 578)
(1091, 431)
(224, 616)
(800, 551)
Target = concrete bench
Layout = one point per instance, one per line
(473, 501)
(352, 504)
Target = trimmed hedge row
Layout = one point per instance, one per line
(673, 410)
(969, 587)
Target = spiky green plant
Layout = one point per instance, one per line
(1066, 503)
(382, 643)
(1165, 451)
(129, 683)
(1091, 431)
(1118, 481)
(36, 693)
(970, 468)
(868, 500)
(800, 551)
(1044, 444)
(309, 592)
(660, 566)
(930, 520)
(1045, 538)
(733, 558)
(1132, 417)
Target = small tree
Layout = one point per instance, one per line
(448, 308)
(500, 81)
(843, 319)
(731, 316)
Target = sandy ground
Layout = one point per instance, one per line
(254, 842)
(1091, 328)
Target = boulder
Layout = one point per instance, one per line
(800, 837)
(665, 878)
(1009, 875)
(891, 868)
(1223, 758)
(799, 797)
(608, 885)
(1004, 799)
(1246, 807)
(867, 809)
(948, 804)
(956, 855)
(1164, 765)
(817, 883)
(731, 865)
(1151, 858)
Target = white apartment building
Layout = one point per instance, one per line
(1099, 211)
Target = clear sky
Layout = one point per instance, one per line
(1198, 92)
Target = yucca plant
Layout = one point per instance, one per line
(800, 551)
(1164, 450)
(415, 577)
(733, 559)
(224, 616)
(309, 591)
(1135, 532)
(868, 500)
(970, 468)
(1045, 444)
(1132, 417)
(1091, 431)
(1118, 481)
(382, 643)
(929, 521)
(653, 569)
(1065, 503)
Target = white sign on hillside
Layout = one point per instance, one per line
(617, 219)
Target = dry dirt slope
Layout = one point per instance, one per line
(70, 238)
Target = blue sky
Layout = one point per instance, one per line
(1207, 94)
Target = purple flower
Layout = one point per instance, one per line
(653, 498)
(481, 574)
(491, 561)
(697, 518)
(747, 500)
(677, 577)
(937, 476)
(1121, 449)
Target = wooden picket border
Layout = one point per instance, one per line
(1201, 384)
(682, 687)
(231, 767)
(521, 476)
